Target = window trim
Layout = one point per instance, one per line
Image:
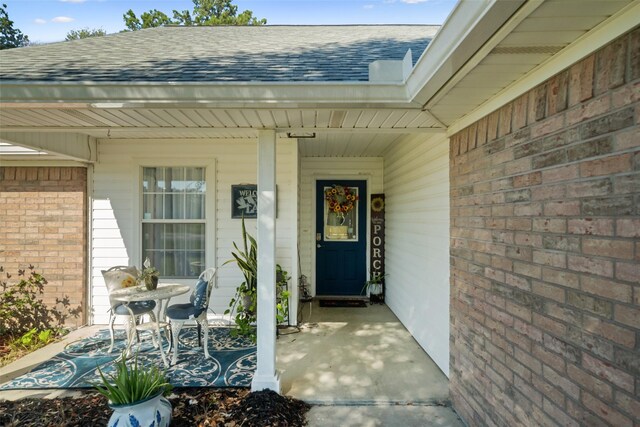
(210, 207)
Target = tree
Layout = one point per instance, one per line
(85, 33)
(205, 12)
(10, 37)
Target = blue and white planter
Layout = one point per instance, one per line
(152, 412)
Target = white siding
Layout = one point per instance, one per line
(416, 181)
(314, 168)
(116, 204)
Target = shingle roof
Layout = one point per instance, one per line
(219, 54)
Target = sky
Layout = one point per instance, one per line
(47, 21)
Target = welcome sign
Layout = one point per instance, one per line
(244, 201)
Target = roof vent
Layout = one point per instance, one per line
(391, 71)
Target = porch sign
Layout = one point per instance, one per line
(377, 243)
(244, 201)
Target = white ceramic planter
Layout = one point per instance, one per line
(153, 412)
(375, 288)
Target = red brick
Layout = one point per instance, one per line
(550, 125)
(627, 315)
(591, 227)
(628, 227)
(606, 166)
(562, 208)
(492, 126)
(552, 259)
(591, 265)
(591, 109)
(627, 139)
(629, 272)
(520, 112)
(606, 247)
(606, 288)
(548, 291)
(629, 404)
(606, 412)
(550, 225)
(563, 173)
(560, 277)
(605, 371)
(618, 334)
(590, 383)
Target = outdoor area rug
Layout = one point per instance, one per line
(232, 362)
(342, 303)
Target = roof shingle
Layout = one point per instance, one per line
(219, 54)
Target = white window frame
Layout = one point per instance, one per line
(210, 208)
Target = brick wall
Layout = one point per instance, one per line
(43, 223)
(545, 255)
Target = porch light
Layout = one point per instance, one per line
(301, 134)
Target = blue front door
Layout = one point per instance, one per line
(341, 218)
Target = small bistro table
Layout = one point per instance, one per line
(162, 294)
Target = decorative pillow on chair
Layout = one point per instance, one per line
(120, 278)
(199, 295)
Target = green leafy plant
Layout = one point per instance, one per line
(26, 322)
(282, 295)
(374, 284)
(131, 384)
(149, 275)
(22, 309)
(245, 300)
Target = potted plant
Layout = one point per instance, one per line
(375, 286)
(136, 395)
(149, 275)
(245, 300)
(282, 296)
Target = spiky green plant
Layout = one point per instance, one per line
(132, 384)
(245, 300)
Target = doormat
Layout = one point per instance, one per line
(232, 362)
(342, 303)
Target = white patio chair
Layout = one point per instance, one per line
(196, 310)
(119, 277)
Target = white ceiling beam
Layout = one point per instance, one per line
(71, 146)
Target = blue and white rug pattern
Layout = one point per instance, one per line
(232, 362)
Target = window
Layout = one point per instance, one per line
(173, 219)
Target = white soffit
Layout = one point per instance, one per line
(121, 122)
(549, 29)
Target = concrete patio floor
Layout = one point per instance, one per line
(361, 367)
(357, 366)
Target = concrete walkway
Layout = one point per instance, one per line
(361, 367)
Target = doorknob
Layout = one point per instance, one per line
(318, 245)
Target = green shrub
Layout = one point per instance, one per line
(23, 311)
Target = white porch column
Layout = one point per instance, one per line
(266, 375)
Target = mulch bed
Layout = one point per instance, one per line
(191, 407)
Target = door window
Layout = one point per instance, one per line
(341, 213)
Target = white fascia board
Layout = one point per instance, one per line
(617, 25)
(469, 26)
(17, 94)
(71, 146)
